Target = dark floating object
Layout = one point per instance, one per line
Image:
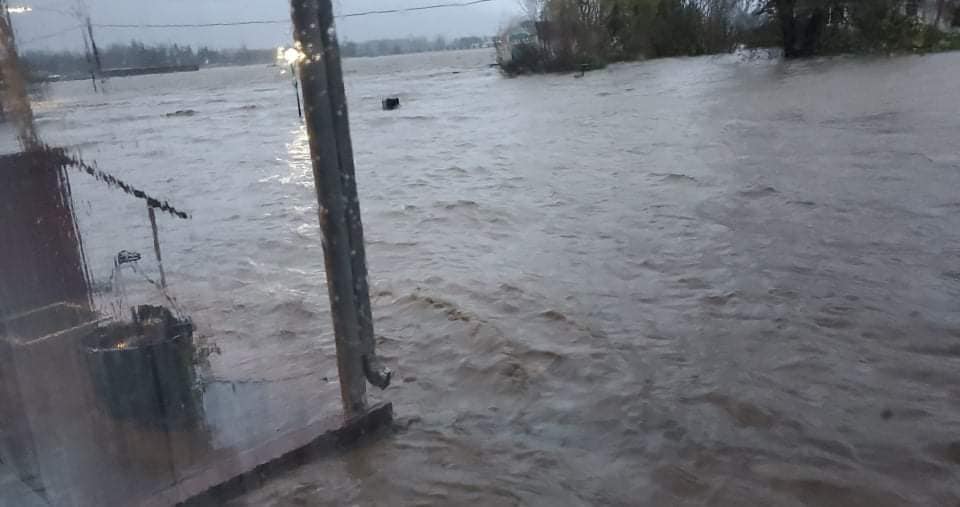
(181, 113)
(391, 103)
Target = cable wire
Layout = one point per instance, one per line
(414, 9)
(49, 35)
(192, 25)
(287, 21)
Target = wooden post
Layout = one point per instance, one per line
(98, 70)
(325, 110)
(296, 90)
(156, 245)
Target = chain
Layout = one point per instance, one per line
(115, 182)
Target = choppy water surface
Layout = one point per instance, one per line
(719, 281)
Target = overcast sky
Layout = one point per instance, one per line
(482, 19)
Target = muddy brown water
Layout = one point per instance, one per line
(723, 281)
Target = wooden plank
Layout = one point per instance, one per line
(251, 468)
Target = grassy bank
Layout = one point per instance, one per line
(570, 35)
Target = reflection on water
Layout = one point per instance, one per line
(713, 280)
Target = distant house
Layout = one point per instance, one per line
(516, 35)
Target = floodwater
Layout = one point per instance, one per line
(723, 280)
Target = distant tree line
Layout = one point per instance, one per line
(567, 34)
(41, 64)
(138, 54)
(811, 27)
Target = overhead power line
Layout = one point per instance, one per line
(287, 21)
(413, 9)
(49, 35)
(192, 25)
(240, 23)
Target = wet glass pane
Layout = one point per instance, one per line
(164, 324)
(614, 252)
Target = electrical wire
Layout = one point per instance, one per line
(287, 21)
(48, 36)
(239, 23)
(414, 9)
(192, 25)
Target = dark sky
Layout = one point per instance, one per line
(483, 19)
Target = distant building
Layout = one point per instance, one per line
(515, 35)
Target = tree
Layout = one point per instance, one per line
(532, 9)
(801, 24)
(862, 25)
(947, 13)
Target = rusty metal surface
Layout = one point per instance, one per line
(41, 259)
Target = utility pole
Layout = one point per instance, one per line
(328, 127)
(96, 67)
(156, 246)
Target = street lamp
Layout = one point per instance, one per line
(292, 56)
(20, 9)
(289, 55)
